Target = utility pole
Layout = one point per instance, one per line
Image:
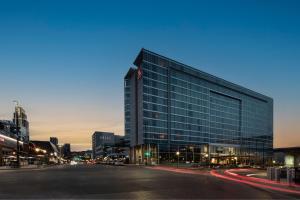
(263, 154)
(149, 156)
(177, 154)
(158, 154)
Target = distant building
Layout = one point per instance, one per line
(88, 154)
(289, 157)
(100, 141)
(81, 155)
(49, 147)
(23, 123)
(44, 150)
(54, 140)
(66, 150)
(119, 139)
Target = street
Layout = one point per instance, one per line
(130, 182)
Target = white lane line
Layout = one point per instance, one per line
(251, 174)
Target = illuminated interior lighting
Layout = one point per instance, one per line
(9, 138)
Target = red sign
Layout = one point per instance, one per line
(139, 73)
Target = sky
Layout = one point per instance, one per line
(65, 60)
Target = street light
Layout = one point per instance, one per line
(207, 160)
(18, 137)
(177, 153)
(235, 160)
(192, 148)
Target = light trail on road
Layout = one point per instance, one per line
(214, 173)
(178, 170)
(261, 180)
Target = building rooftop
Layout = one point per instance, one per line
(203, 75)
(130, 72)
(46, 145)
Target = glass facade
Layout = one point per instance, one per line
(127, 95)
(205, 118)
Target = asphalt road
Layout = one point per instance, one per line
(123, 182)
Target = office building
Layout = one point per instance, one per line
(23, 123)
(176, 112)
(66, 150)
(101, 141)
(118, 139)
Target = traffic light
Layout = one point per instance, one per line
(147, 154)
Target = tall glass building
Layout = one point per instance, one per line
(176, 113)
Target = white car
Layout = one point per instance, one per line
(73, 162)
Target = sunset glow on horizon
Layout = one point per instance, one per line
(65, 63)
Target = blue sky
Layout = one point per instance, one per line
(65, 60)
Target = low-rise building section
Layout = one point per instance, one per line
(288, 157)
(12, 131)
(104, 143)
(66, 151)
(43, 152)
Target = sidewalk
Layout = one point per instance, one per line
(24, 167)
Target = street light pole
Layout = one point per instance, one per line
(18, 137)
(193, 151)
(177, 153)
(263, 154)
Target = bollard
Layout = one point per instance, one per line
(290, 175)
(277, 174)
(271, 173)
